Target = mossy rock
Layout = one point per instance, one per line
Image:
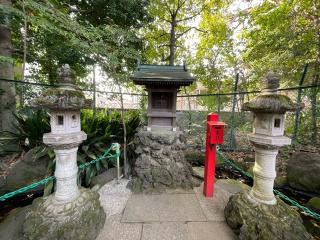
(303, 171)
(232, 186)
(280, 181)
(314, 203)
(80, 219)
(11, 226)
(251, 220)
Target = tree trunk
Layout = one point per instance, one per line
(125, 159)
(94, 91)
(172, 39)
(24, 61)
(7, 90)
(189, 108)
(315, 91)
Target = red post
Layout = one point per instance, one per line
(215, 132)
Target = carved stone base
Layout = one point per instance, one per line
(253, 220)
(80, 219)
(160, 161)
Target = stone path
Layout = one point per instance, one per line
(185, 215)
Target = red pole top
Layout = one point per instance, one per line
(212, 117)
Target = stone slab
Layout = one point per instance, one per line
(210, 231)
(198, 172)
(213, 208)
(114, 230)
(231, 185)
(163, 207)
(165, 231)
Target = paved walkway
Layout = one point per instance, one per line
(176, 215)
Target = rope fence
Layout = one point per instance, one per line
(106, 155)
(197, 104)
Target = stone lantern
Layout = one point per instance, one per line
(258, 214)
(268, 128)
(71, 211)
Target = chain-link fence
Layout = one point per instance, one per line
(302, 126)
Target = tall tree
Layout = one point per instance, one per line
(171, 23)
(7, 90)
(284, 36)
(78, 33)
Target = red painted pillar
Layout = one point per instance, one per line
(210, 162)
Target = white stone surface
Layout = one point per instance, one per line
(264, 175)
(268, 124)
(59, 140)
(65, 137)
(63, 122)
(66, 175)
(276, 141)
(171, 211)
(114, 196)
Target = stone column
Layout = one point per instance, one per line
(66, 175)
(264, 171)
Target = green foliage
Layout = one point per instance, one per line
(169, 29)
(79, 33)
(27, 131)
(102, 130)
(123, 13)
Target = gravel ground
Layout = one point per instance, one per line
(114, 196)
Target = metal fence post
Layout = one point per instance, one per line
(297, 113)
(231, 137)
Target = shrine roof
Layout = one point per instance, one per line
(162, 75)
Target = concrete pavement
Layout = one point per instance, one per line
(185, 215)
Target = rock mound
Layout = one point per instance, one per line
(303, 171)
(251, 220)
(81, 219)
(160, 162)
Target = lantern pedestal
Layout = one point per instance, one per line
(264, 170)
(65, 147)
(49, 219)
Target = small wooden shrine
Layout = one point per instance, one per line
(162, 84)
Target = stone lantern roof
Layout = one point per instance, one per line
(64, 96)
(270, 101)
(162, 75)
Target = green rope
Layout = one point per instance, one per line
(304, 209)
(106, 155)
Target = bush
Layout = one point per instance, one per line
(102, 130)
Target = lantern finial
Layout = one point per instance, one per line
(271, 81)
(65, 75)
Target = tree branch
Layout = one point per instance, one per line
(180, 5)
(186, 31)
(189, 18)
(164, 19)
(168, 7)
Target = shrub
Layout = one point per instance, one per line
(102, 129)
